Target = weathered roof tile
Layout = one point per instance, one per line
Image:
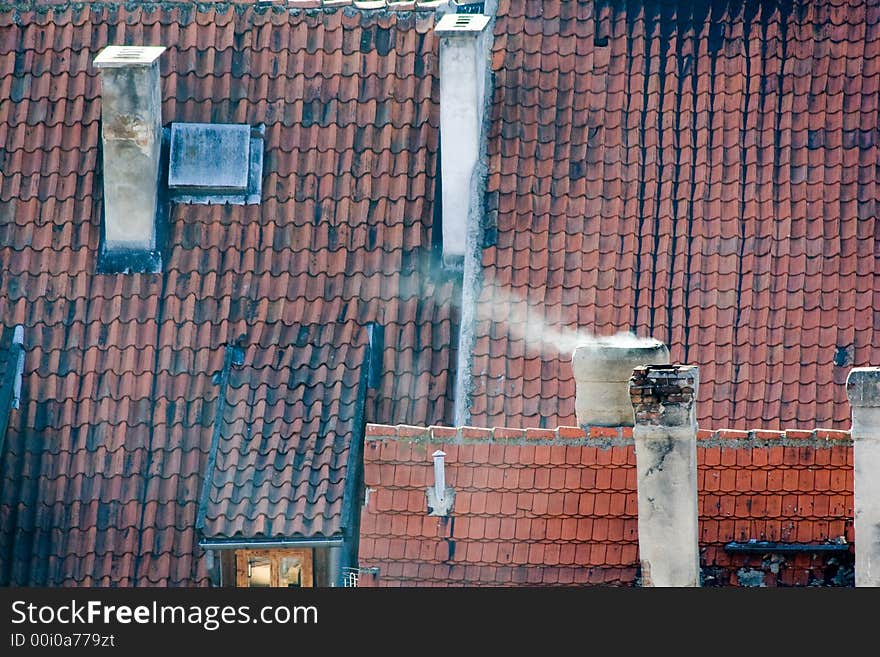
(712, 175)
(577, 521)
(118, 402)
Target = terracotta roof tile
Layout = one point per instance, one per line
(767, 282)
(723, 207)
(104, 462)
(576, 522)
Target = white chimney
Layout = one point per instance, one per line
(863, 390)
(464, 62)
(665, 435)
(131, 141)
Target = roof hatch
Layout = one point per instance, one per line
(215, 163)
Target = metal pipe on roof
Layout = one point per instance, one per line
(18, 350)
(440, 475)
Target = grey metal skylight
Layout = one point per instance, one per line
(215, 163)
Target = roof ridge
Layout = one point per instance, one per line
(569, 435)
(240, 5)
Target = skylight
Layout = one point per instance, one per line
(215, 163)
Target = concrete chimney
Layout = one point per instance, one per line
(465, 42)
(665, 436)
(602, 369)
(863, 390)
(464, 62)
(131, 141)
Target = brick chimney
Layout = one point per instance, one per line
(131, 142)
(863, 391)
(602, 369)
(665, 436)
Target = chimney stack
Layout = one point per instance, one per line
(131, 140)
(665, 436)
(464, 62)
(863, 390)
(602, 370)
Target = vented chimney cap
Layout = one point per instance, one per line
(122, 56)
(461, 24)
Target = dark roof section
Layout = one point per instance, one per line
(558, 507)
(104, 463)
(283, 444)
(701, 172)
(11, 355)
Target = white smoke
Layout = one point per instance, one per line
(528, 322)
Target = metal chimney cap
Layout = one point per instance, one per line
(461, 24)
(122, 56)
(438, 453)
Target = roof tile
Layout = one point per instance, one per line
(576, 522)
(578, 131)
(116, 354)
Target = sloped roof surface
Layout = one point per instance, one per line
(700, 172)
(284, 441)
(9, 364)
(556, 507)
(5, 355)
(103, 466)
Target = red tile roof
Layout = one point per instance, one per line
(104, 462)
(703, 173)
(767, 283)
(559, 507)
